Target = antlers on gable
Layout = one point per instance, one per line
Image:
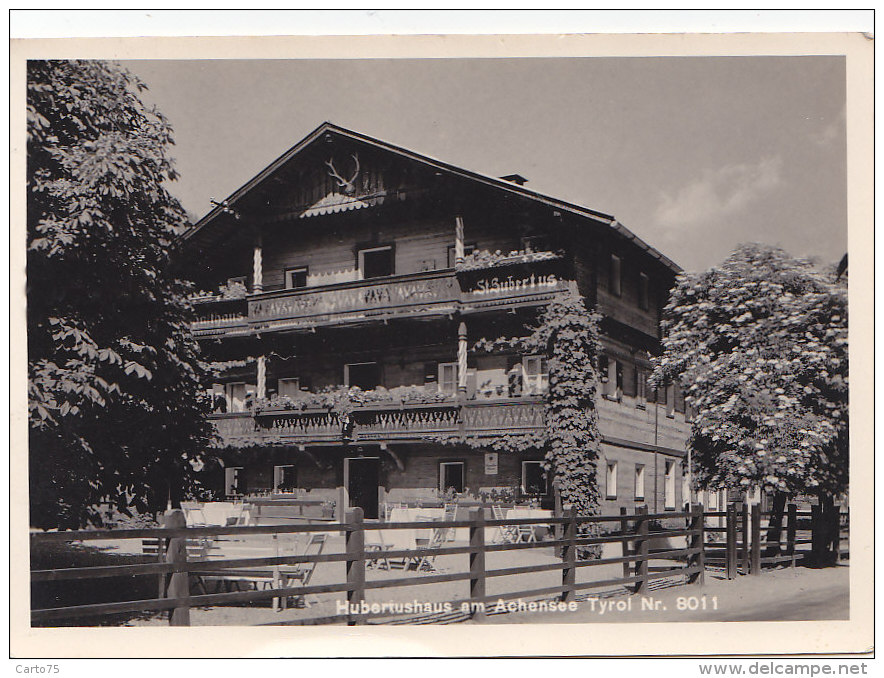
(346, 184)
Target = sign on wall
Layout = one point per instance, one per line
(491, 463)
(363, 297)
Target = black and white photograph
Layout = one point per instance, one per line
(326, 338)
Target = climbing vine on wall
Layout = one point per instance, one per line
(568, 333)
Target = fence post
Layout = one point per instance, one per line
(731, 541)
(641, 548)
(624, 527)
(179, 582)
(355, 563)
(698, 540)
(755, 567)
(477, 564)
(816, 540)
(791, 527)
(745, 524)
(569, 557)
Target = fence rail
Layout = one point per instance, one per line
(751, 540)
(175, 570)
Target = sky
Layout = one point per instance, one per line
(693, 154)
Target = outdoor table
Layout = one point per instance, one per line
(524, 512)
(213, 513)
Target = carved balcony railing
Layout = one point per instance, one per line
(433, 293)
(382, 423)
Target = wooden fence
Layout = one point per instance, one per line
(636, 533)
(751, 540)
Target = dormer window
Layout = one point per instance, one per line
(376, 262)
(296, 277)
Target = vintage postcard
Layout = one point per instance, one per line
(442, 346)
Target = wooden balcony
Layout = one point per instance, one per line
(382, 423)
(417, 295)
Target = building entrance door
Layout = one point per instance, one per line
(361, 476)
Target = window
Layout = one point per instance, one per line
(639, 481)
(536, 375)
(234, 481)
(678, 399)
(611, 480)
(364, 375)
(285, 478)
(533, 478)
(669, 399)
(296, 277)
(376, 262)
(448, 378)
(612, 372)
(614, 277)
(467, 249)
(643, 292)
(669, 487)
(534, 243)
(289, 387)
(235, 395)
(451, 475)
(641, 386)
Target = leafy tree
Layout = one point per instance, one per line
(115, 411)
(760, 346)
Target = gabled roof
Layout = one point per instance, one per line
(493, 182)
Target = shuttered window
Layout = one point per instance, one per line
(448, 378)
(536, 379)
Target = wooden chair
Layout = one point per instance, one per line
(450, 515)
(436, 540)
(506, 534)
(525, 533)
(303, 572)
(375, 549)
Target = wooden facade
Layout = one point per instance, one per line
(350, 262)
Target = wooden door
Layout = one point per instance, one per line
(362, 483)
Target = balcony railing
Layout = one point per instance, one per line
(434, 293)
(382, 422)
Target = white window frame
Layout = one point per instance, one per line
(296, 269)
(610, 479)
(231, 473)
(463, 474)
(278, 474)
(641, 387)
(615, 277)
(639, 481)
(669, 486)
(524, 485)
(288, 381)
(451, 368)
(229, 396)
(360, 259)
(538, 382)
